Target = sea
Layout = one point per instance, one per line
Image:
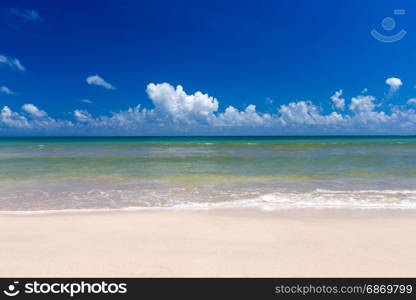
(83, 174)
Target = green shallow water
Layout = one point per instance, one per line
(296, 157)
(194, 169)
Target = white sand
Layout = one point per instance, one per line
(205, 244)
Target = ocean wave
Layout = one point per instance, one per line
(316, 199)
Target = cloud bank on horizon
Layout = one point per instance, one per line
(175, 112)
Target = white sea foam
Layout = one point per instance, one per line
(319, 198)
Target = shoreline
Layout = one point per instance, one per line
(284, 212)
(178, 243)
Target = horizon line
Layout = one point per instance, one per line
(203, 136)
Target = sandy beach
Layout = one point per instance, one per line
(217, 244)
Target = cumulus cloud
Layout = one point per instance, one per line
(174, 104)
(34, 121)
(175, 111)
(97, 80)
(11, 119)
(394, 83)
(364, 111)
(6, 90)
(362, 104)
(337, 101)
(249, 117)
(12, 63)
(34, 111)
(27, 15)
(306, 113)
(82, 115)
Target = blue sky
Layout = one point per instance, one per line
(263, 67)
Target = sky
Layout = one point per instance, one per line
(129, 67)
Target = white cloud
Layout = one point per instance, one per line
(394, 83)
(246, 118)
(87, 101)
(362, 104)
(97, 80)
(176, 105)
(306, 113)
(82, 115)
(363, 108)
(176, 112)
(34, 111)
(35, 121)
(27, 14)
(6, 90)
(337, 101)
(12, 119)
(12, 63)
(411, 101)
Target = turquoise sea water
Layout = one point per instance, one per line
(49, 174)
